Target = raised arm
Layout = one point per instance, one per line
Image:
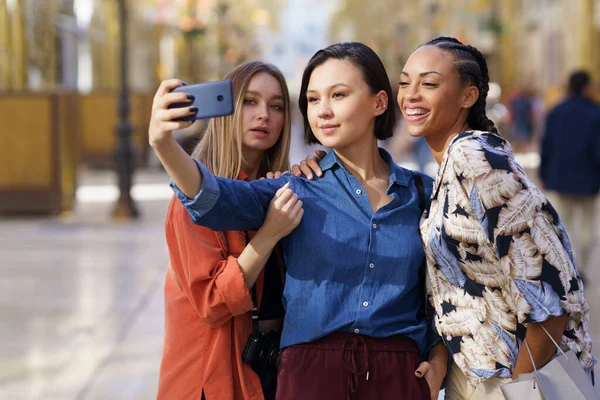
(180, 166)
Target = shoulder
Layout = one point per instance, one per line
(478, 153)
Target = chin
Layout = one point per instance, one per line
(414, 131)
(330, 142)
(265, 143)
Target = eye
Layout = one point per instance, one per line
(277, 107)
(249, 101)
(429, 84)
(338, 95)
(312, 99)
(403, 84)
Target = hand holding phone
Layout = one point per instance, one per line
(212, 99)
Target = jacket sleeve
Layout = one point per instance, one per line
(529, 240)
(596, 146)
(211, 280)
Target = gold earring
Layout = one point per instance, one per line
(465, 106)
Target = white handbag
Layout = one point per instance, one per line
(563, 378)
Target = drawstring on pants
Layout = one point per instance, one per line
(353, 371)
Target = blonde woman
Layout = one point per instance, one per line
(214, 278)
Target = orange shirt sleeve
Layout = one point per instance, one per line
(211, 279)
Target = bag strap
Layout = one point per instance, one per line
(418, 179)
(553, 341)
(255, 330)
(421, 192)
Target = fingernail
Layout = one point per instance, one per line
(193, 109)
(190, 97)
(183, 83)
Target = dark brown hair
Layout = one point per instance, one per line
(374, 74)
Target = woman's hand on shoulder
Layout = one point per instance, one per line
(275, 175)
(163, 119)
(284, 214)
(310, 166)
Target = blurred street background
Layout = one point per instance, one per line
(82, 198)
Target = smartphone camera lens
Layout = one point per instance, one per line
(220, 98)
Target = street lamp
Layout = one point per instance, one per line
(125, 208)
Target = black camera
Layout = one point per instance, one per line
(262, 350)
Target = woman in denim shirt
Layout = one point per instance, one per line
(353, 326)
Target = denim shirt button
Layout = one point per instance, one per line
(358, 191)
(371, 265)
(357, 330)
(374, 226)
(366, 303)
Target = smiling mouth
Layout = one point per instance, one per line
(416, 114)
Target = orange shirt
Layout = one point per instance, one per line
(207, 314)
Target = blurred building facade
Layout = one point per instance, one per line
(526, 42)
(73, 44)
(59, 61)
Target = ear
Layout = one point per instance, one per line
(381, 103)
(470, 96)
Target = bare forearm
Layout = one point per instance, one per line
(439, 355)
(542, 348)
(180, 166)
(255, 256)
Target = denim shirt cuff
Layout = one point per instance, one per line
(206, 197)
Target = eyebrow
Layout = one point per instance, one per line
(422, 74)
(330, 87)
(253, 93)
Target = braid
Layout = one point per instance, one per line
(472, 68)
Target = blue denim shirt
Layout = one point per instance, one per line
(348, 269)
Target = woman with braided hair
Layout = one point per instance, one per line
(500, 272)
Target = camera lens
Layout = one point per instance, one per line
(220, 98)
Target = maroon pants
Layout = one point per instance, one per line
(345, 366)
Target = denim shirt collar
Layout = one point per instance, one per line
(398, 176)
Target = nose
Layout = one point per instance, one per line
(324, 110)
(412, 93)
(263, 112)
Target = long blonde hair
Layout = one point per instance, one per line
(220, 148)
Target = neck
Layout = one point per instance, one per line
(251, 162)
(438, 143)
(363, 161)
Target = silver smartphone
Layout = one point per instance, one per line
(212, 99)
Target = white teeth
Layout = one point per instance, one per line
(414, 111)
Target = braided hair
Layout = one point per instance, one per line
(473, 70)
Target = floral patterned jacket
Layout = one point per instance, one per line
(498, 257)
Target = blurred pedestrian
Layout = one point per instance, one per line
(215, 279)
(522, 107)
(570, 163)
